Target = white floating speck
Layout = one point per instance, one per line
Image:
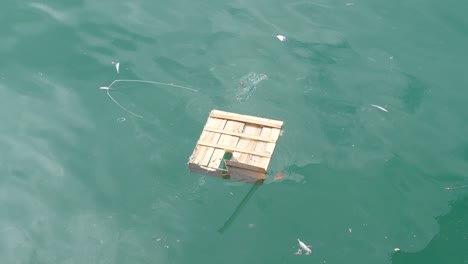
(104, 88)
(379, 107)
(397, 250)
(117, 66)
(350, 230)
(304, 247)
(349, 4)
(281, 38)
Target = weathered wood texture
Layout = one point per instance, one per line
(250, 140)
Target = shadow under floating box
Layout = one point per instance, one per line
(235, 146)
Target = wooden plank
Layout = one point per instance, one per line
(207, 157)
(270, 148)
(201, 151)
(275, 134)
(241, 135)
(234, 126)
(265, 162)
(216, 158)
(233, 149)
(236, 156)
(247, 143)
(243, 166)
(262, 162)
(247, 119)
(253, 160)
(260, 147)
(211, 138)
(265, 133)
(215, 123)
(229, 140)
(230, 127)
(252, 129)
(244, 175)
(207, 171)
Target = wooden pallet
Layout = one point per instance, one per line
(235, 146)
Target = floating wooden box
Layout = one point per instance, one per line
(235, 146)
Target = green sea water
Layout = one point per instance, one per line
(83, 181)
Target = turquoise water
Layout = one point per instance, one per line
(83, 181)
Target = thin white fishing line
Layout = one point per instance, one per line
(108, 88)
(154, 82)
(125, 109)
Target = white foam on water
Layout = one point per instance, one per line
(248, 84)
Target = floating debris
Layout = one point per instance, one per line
(350, 230)
(279, 176)
(349, 4)
(454, 186)
(379, 107)
(304, 247)
(397, 250)
(117, 66)
(281, 38)
(108, 88)
(105, 88)
(248, 84)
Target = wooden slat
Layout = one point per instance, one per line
(275, 134)
(260, 147)
(243, 166)
(216, 158)
(244, 175)
(212, 138)
(199, 152)
(247, 119)
(203, 170)
(241, 135)
(233, 149)
(234, 126)
(248, 144)
(215, 123)
(207, 157)
(224, 139)
(260, 162)
(229, 140)
(265, 133)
